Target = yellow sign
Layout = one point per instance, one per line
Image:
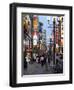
(35, 24)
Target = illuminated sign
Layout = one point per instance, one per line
(35, 22)
(35, 39)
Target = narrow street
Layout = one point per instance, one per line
(42, 44)
(36, 68)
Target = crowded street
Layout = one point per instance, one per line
(42, 44)
(46, 68)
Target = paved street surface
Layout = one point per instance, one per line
(36, 68)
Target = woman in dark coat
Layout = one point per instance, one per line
(25, 63)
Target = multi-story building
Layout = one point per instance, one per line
(27, 37)
(59, 33)
(62, 35)
(44, 37)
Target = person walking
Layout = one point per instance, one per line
(25, 63)
(42, 60)
(45, 63)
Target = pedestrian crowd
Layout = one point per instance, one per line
(42, 59)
